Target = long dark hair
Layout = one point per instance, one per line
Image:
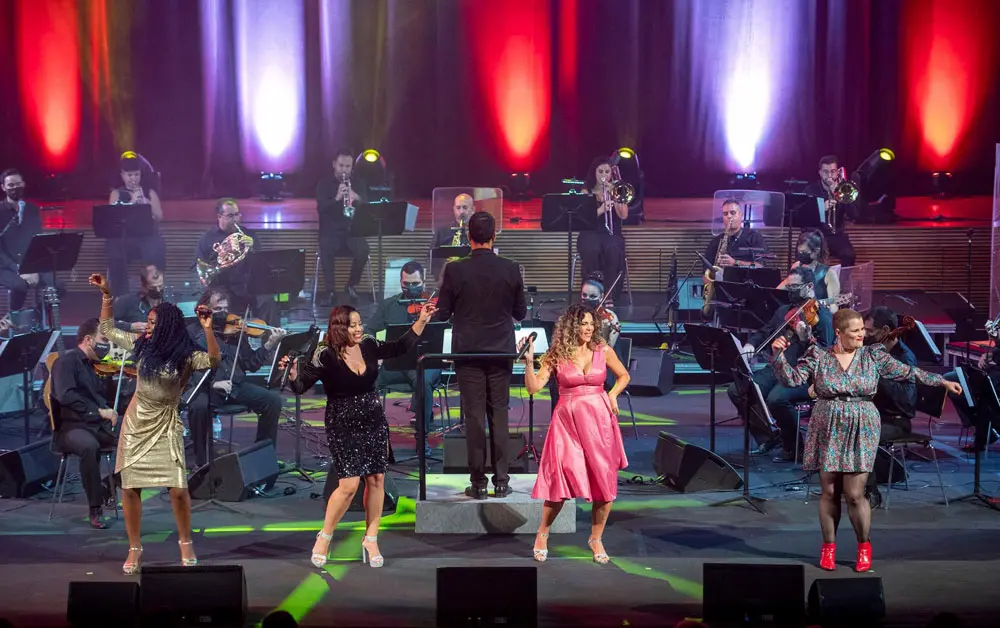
(566, 333)
(590, 181)
(816, 243)
(337, 338)
(170, 346)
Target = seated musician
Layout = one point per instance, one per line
(20, 221)
(735, 246)
(83, 419)
(138, 188)
(235, 279)
(591, 293)
(132, 309)
(838, 240)
(396, 310)
(811, 253)
(229, 385)
(780, 399)
(456, 234)
(980, 418)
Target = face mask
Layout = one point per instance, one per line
(16, 194)
(592, 302)
(101, 350)
(804, 257)
(413, 291)
(155, 292)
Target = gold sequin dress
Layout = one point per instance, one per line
(151, 442)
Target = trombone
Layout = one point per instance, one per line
(846, 193)
(616, 192)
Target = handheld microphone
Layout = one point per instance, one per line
(20, 212)
(293, 359)
(524, 349)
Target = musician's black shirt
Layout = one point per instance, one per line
(389, 312)
(331, 210)
(250, 359)
(77, 390)
(844, 210)
(131, 308)
(897, 400)
(742, 247)
(17, 235)
(446, 235)
(823, 332)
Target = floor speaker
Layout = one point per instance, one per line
(205, 595)
(102, 603)
(24, 470)
(688, 468)
(462, 598)
(238, 474)
(652, 372)
(358, 503)
(846, 601)
(456, 454)
(748, 594)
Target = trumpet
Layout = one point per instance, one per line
(845, 192)
(232, 250)
(348, 206)
(615, 192)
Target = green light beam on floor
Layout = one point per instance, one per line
(690, 588)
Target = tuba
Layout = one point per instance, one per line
(844, 193)
(232, 250)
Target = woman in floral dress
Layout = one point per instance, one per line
(843, 432)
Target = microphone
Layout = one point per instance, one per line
(524, 349)
(293, 358)
(20, 212)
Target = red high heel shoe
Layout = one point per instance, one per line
(828, 557)
(864, 557)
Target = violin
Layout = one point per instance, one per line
(255, 327)
(112, 368)
(808, 313)
(608, 317)
(415, 306)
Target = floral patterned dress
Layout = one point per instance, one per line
(843, 432)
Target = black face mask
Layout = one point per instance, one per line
(16, 194)
(413, 291)
(101, 350)
(155, 292)
(591, 301)
(804, 257)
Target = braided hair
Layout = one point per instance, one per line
(170, 346)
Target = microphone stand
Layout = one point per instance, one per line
(673, 305)
(968, 297)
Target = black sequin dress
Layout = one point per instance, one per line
(356, 428)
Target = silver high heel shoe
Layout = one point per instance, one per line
(188, 562)
(600, 559)
(320, 559)
(541, 555)
(131, 568)
(366, 557)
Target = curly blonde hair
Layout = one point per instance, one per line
(566, 333)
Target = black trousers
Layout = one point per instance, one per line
(485, 390)
(601, 251)
(19, 288)
(398, 378)
(780, 401)
(262, 401)
(120, 253)
(334, 242)
(892, 429)
(86, 443)
(840, 246)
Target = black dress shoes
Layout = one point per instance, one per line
(501, 490)
(476, 492)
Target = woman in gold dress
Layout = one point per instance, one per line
(151, 443)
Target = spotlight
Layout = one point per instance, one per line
(371, 155)
(372, 169)
(874, 178)
(744, 181)
(626, 153)
(943, 183)
(272, 184)
(520, 182)
(886, 154)
(627, 162)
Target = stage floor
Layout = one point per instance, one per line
(931, 558)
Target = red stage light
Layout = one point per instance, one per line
(950, 61)
(512, 52)
(48, 65)
(569, 28)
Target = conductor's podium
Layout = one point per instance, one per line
(448, 511)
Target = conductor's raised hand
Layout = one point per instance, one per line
(953, 387)
(779, 345)
(99, 280)
(427, 312)
(204, 317)
(529, 353)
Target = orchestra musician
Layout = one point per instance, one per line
(336, 196)
(404, 309)
(603, 249)
(83, 419)
(132, 309)
(981, 417)
(21, 221)
(591, 293)
(781, 399)
(457, 233)
(811, 253)
(830, 176)
(483, 294)
(736, 246)
(235, 280)
(138, 189)
(229, 384)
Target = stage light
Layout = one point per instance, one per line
(943, 184)
(886, 154)
(272, 184)
(371, 168)
(626, 153)
(371, 155)
(879, 158)
(744, 181)
(519, 184)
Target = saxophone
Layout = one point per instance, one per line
(709, 287)
(457, 239)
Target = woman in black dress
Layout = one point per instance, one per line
(356, 429)
(603, 249)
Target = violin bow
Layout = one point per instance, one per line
(607, 293)
(239, 343)
(781, 328)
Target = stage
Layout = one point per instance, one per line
(931, 558)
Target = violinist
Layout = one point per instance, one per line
(592, 293)
(83, 418)
(781, 399)
(404, 309)
(229, 384)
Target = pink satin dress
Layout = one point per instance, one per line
(583, 448)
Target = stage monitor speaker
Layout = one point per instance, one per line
(652, 372)
(203, 595)
(456, 454)
(688, 468)
(23, 471)
(847, 601)
(358, 503)
(462, 598)
(238, 474)
(753, 594)
(102, 603)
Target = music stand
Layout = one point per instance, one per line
(121, 220)
(986, 401)
(205, 384)
(711, 348)
(442, 254)
(301, 344)
(746, 299)
(382, 219)
(276, 272)
(49, 253)
(569, 213)
(21, 354)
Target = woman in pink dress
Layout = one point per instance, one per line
(583, 449)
